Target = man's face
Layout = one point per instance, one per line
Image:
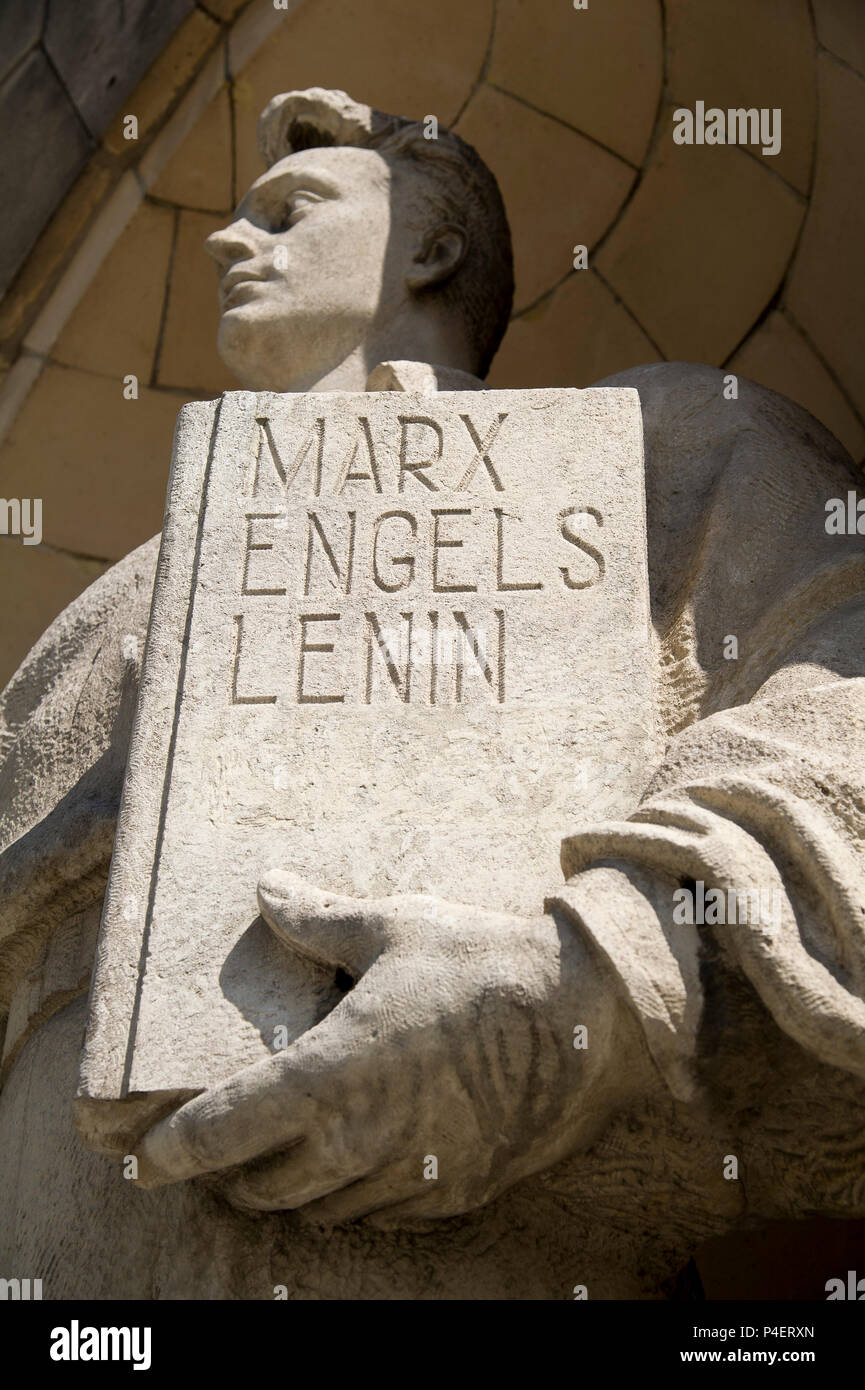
(304, 277)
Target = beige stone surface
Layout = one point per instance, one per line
(189, 109)
(841, 28)
(402, 55)
(199, 175)
(225, 9)
(115, 327)
(539, 163)
(826, 288)
(189, 359)
(107, 227)
(574, 337)
(778, 356)
(99, 462)
(36, 581)
(253, 27)
(701, 247)
(600, 70)
(168, 76)
(749, 53)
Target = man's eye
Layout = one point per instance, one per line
(297, 203)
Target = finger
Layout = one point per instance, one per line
(291, 1180)
(373, 1192)
(371, 1115)
(438, 1202)
(261, 1110)
(331, 928)
(363, 1158)
(340, 1184)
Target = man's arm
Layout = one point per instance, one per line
(765, 804)
(65, 722)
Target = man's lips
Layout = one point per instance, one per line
(233, 283)
(234, 276)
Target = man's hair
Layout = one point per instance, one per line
(457, 185)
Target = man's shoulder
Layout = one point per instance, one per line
(689, 403)
(718, 443)
(737, 479)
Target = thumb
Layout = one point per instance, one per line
(329, 928)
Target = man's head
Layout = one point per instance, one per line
(363, 241)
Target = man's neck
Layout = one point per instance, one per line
(348, 375)
(413, 339)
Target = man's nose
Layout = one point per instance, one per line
(236, 242)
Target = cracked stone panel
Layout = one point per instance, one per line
(559, 188)
(749, 53)
(99, 462)
(188, 358)
(20, 27)
(41, 158)
(404, 56)
(826, 290)
(778, 356)
(199, 175)
(841, 28)
(102, 49)
(50, 579)
(702, 247)
(598, 69)
(115, 326)
(573, 338)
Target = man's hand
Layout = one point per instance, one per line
(456, 1044)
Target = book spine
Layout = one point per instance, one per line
(122, 946)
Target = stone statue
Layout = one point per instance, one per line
(724, 1075)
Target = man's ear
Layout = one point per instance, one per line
(441, 254)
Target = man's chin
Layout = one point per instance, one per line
(240, 344)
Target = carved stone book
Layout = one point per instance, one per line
(399, 643)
